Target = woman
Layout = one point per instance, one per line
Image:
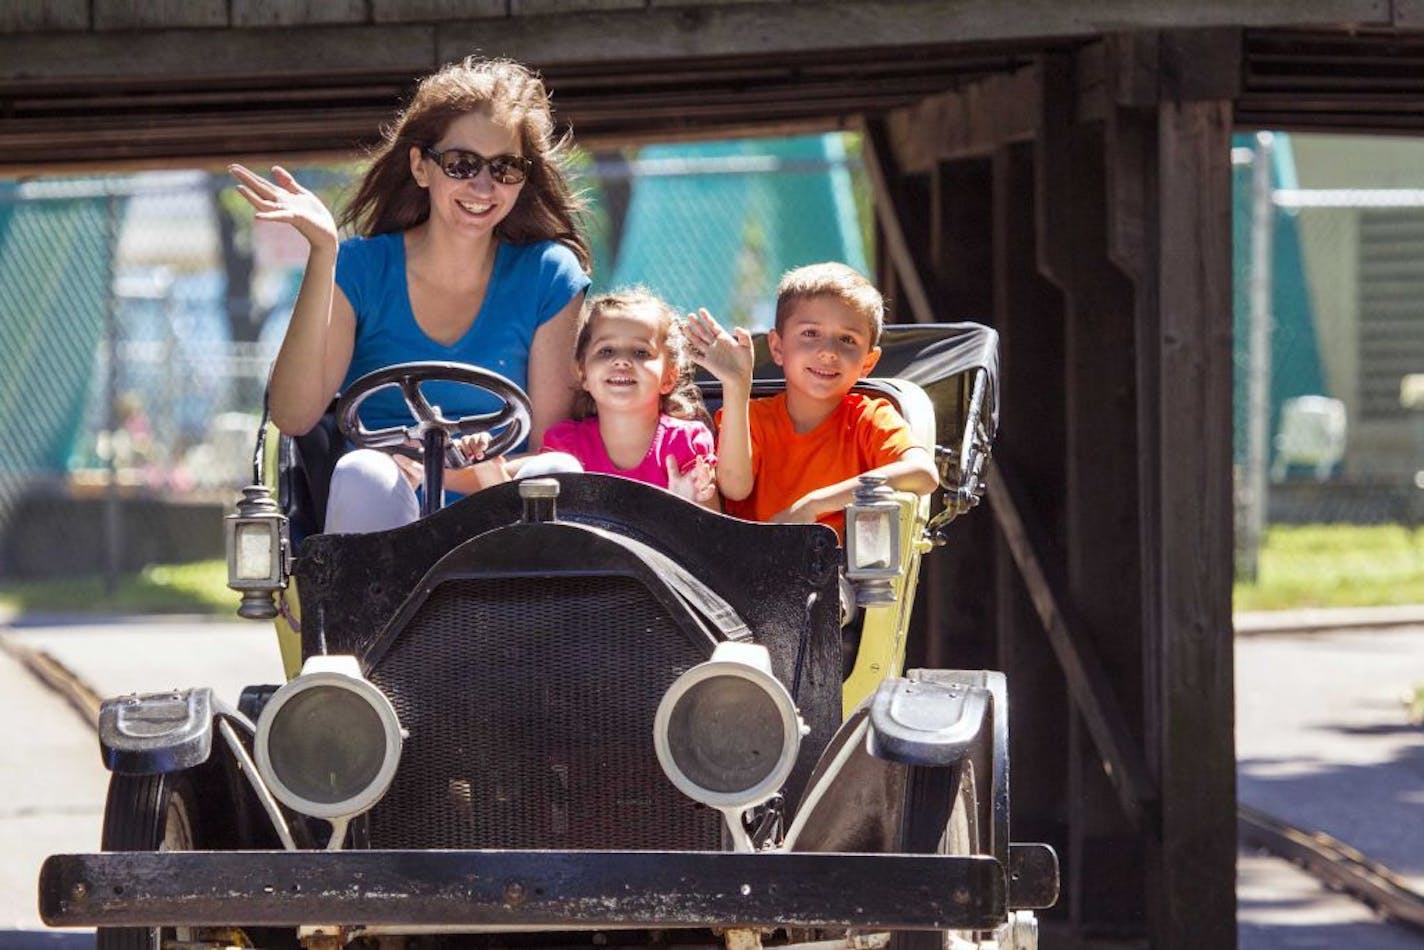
(468, 251)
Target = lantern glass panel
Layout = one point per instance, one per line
(254, 551)
(874, 539)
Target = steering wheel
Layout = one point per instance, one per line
(510, 423)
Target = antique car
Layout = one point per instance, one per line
(577, 711)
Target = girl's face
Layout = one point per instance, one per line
(626, 365)
(475, 205)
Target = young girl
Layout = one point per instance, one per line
(638, 413)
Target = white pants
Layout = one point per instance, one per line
(370, 493)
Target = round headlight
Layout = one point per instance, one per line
(328, 742)
(726, 731)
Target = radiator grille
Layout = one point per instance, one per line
(529, 704)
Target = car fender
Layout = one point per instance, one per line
(153, 733)
(927, 722)
(150, 733)
(930, 719)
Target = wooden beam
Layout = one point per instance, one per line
(1088, 684)
(46, 46)
(881, 169)
(1200, 64)
(93, 118)
(1052, 174)
(972, 121)
(779, 28)
(69, 59)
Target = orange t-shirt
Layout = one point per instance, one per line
(861, 434)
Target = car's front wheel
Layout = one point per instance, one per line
(148, 813)
(941, 817)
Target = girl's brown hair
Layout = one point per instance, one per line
(684, 400)
(389, 199)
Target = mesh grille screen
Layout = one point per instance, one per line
(533, 721)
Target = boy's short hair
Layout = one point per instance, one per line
(831, 279)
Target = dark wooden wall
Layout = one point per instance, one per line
(1082, 206)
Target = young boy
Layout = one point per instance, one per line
(798, 456)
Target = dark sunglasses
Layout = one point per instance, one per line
(457, 163)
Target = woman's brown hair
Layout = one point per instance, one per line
(389, 199)
(684, 400)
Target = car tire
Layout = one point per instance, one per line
(941, 817)
(147, 813)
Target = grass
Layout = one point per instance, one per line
(1336, 566)
(199, 588)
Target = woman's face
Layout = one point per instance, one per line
(472, 206)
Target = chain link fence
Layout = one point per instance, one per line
(1329, 261)
(139, 315)
(128, 397)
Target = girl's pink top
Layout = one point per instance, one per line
(681, 439)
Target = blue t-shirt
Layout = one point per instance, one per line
(530, 283)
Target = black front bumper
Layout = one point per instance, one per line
(532, 890)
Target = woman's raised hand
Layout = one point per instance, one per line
(284, 200)
(727, 356)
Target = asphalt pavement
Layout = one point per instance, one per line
(53, 780)
(1323, 740)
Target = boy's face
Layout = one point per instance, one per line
(823, 347)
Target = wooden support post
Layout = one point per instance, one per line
(1104, 878)
(1190, 660)
(1028, 313)
(952, 630)
(962, 243)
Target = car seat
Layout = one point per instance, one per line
(305, 464)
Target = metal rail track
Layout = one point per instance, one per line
(61, 679)
(1333, 863)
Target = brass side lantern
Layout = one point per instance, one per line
(873, 542)
(256, 540)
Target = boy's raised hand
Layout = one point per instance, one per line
(727, 356)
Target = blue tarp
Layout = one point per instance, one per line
(720, 233)
(1295, 348)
